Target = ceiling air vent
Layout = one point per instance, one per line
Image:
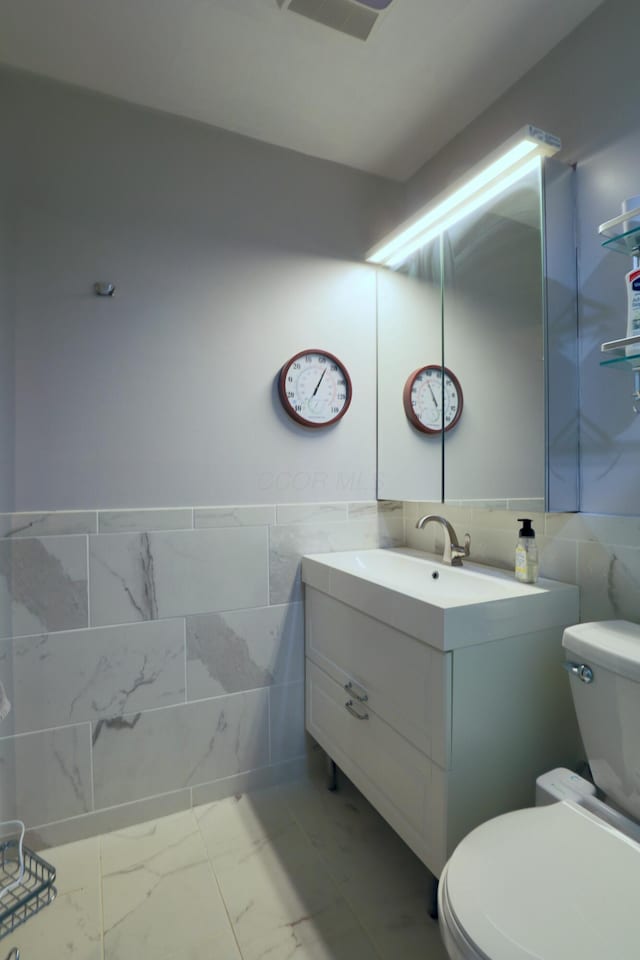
(356, 18)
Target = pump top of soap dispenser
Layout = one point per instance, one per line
(526, 530)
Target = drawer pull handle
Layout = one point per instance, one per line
(350, 687)
(354, 713)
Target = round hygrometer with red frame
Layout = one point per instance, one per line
(315, 388)
(432, 397)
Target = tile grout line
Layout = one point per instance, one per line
(269, 565)
(184, 624)
(140, 623)
(110, 809)
(217, 883)
(88, 587)
(101, 894)
(93, 787)
(334, 879)
(62, 726)
(335, 882)
(148, 710)
(313, 856)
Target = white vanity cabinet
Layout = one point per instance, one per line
(438, 736)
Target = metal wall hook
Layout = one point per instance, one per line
(104, 289)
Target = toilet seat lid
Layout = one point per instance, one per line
(547, 883)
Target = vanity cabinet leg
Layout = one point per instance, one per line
(332, 775)
(432, 904)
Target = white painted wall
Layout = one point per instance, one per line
(585, 91)
(229, 256)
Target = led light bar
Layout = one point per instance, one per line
(520, 154)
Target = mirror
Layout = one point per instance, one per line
(492, 301)
(409, 336)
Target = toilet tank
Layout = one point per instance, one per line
(608, 706)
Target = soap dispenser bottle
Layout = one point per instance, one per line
(526, 553)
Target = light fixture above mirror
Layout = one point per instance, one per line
(504, 166)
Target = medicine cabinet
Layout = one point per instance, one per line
(493, 299)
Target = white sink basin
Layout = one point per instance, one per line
(421, 575)
(445, 606)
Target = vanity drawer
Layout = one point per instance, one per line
(395, 777)
(405, 682)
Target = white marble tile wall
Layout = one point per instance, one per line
(151, 752)
(599, 553)
(43, 584)
(82, 675)
(149, 576)
(155, 657)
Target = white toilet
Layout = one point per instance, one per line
(562, 882)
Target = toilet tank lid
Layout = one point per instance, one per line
(614, 644)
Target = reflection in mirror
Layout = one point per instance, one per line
(493, 300)
(409, 337)
(492, 296)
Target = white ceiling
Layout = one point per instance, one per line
(385, 105)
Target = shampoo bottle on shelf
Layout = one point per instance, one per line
(633, 314)
(526, 553)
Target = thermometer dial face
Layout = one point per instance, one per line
(315, 388)
(433, 395)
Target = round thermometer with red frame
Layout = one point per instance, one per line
(315, 388)
(432, 397)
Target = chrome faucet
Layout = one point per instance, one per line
(452, 552)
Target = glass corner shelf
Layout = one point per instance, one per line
(615, 351)
(607, 361)
(625, 241)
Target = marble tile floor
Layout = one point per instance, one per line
(287, 872)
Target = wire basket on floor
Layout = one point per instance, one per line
(27, 884)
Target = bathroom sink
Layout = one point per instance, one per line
(422, 576)
(445, 606)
